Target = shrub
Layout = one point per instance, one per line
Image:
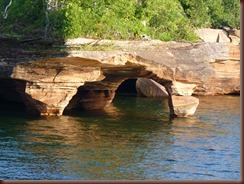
(118, 19)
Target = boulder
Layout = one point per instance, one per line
(219, 35)
(150, 88)
(212, 35)
(184, 106)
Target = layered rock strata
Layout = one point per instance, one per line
(184, 106)
(88, 79)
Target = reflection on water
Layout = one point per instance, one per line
(133, 139)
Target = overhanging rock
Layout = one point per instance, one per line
(54, 82)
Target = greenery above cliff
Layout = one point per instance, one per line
(116, 19)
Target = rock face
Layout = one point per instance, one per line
(182, 89)
(49, 88)
(85, 79)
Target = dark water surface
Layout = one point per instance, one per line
(134, 139)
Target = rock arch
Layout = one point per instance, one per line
(183, 68)
(55, 84)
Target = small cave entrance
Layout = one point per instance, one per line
(10, 98)
(127, 87)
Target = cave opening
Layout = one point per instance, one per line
(10, 108)
(127, 87)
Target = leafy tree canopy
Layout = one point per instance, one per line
(116, 19)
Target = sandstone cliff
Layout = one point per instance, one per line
(51, 78)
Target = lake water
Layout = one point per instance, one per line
(134, 139)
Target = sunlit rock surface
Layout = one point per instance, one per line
(219, 35)
(184, 106)
(53, 79)
(51, 84)
(212, 35)
(181, 88)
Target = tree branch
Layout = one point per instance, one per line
(5, 13)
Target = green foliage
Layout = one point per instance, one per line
(72, 22)
(167, 20)
(107, 19)
(197, 12)
(231, 15)
(212, 13)
(118, 19)
(123, 20)
(24, 16)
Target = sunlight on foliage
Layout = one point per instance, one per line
(117, 19)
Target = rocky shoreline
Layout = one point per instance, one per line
(84, 73)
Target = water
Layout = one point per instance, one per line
(134, 139)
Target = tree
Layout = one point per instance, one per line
(231, 15)
(197, 12)
(167, 20)
(107, 19)
(212, 13)
(24, 16)
(116, 19)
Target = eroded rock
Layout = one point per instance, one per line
(180, 88)
(50, 87)
(184, 68)
(91, 99)
(184, 106)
